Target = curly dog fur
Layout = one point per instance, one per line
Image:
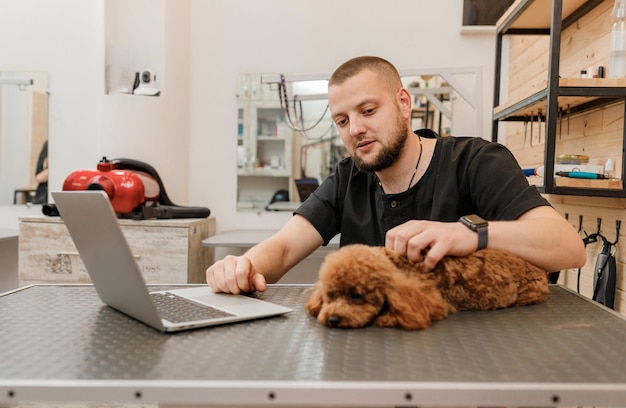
(361, 285)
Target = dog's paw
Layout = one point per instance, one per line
(404, 322)
(315, 302)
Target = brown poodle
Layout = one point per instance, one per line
(361, 285)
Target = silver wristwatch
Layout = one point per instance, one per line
(475, 223)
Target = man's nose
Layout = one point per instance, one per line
(356, 127)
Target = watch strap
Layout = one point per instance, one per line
(482, 236)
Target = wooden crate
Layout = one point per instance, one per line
(167, 251)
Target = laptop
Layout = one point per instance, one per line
(94, 228)
(305, 187)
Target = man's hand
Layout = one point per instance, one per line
(430, 241)
(234, 274)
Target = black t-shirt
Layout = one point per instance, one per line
(467, 175)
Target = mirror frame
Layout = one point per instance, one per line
(24, 131)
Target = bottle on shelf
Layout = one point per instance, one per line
(617, 64)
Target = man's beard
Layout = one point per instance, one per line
(390, 153)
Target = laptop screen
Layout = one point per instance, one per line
(305, 187)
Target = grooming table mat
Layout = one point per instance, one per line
(60, 343)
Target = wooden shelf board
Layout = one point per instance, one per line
(588, 183)
(593, 82)
(537, 14)
(564, 101)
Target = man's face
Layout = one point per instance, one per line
(369, 119)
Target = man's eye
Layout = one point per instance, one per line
(368, 112)
(341, 122)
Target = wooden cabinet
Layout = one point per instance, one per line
(549, 101)
(167, 251)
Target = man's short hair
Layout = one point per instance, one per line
(387, 72)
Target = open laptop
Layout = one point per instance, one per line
(94, 228)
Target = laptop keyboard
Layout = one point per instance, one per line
(178, 310)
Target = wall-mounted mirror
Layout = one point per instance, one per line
(23, 137)
(286, 141)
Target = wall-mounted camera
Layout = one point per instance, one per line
(147, 77)
(146, 80)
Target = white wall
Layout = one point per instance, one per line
(286, 36)
(156, 129)
(62, 38)
(188, 134)
(66, 39)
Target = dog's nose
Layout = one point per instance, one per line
(333, 321)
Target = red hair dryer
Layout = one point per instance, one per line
(134, 188)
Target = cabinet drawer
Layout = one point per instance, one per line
(166, 252)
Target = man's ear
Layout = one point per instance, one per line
(315, 302)
(405, 102)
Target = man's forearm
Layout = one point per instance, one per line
(549, 243)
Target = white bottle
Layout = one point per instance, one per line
(617, 64)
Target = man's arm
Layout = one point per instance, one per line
(267, 261)
(541, 236)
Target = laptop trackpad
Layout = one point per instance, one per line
(206, 295)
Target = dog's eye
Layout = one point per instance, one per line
(355, 295)
(331, 295)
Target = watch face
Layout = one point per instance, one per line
(475, 220)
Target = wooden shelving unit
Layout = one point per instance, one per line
(576, 94)
(548, 101)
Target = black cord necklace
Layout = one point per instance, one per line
(419, 159)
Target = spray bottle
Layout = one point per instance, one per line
(617, 64)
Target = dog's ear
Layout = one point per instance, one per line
(412, 305)
(314, 304)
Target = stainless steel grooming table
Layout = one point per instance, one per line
(60, 343)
